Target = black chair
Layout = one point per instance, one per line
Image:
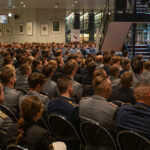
(97, 137)
(15, 147)
(128, 140)
(8, 112)
(63, 130)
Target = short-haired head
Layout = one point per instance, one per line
(127, 79)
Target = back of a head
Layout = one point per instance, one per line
(125, 62)
(6, 76)
(99, 59)
(72, 56)
(147, 65)
(35, 63)
(107, 59)
(139, 57)
(35, 79)
(91, 67)
(114, 70)
(127, 79)
(47, 70)
(124, 53)
(69, 67)
(53, 63)
(142, 93)
(63, 84)
(137, 66)
(100, 72)
(99, 83)
(24, 69)
(7, 60)
(116, 59)
(30, 106)
(58, 53)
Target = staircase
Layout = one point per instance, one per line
(141, 8)
(140, 49)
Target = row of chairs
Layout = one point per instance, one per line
(93, 136)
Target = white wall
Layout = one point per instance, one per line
(38, 17)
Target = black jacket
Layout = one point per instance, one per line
(34, 137)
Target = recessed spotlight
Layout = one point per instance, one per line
(24, 6)
(14, 6)
(21, 2)
(73, 5)
(56, 6)
(75, 2)
(9, 14)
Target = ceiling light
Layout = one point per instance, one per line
(9, 14)
(24, 6)
(75, 2)
(14, 6)
(73, 5)
(21, 2)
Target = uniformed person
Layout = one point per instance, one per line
(70, 69)
(96, 108)
(50, 86)
(22, 81)
(36, 81)
(11, 95)
(64, 106)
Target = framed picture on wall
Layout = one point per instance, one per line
(21, 28)
(1, 31)
(7, 30)
(29, 28)
(44, 29)
(55, 26)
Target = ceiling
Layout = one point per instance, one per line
(44, 4)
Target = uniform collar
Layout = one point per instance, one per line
(99, 97)
(67, 98)
(142, 105)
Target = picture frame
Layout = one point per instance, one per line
(56, 26)
(44, 29)
(1, 31)
(21, 28)
(29, 28)
(7, 30)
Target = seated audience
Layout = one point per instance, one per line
(125, 65)
(124, 93)
(136, 117)
(114, 76)
(50, 86)
(137, 67)
(70, 69)
(64, 106)
(11, 95)
(36, 82)
(107, 63)
(96, 108)
(36, 65)
(22, 81)
(27, 132)
(146, 72)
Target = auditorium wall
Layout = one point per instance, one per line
(37, 17)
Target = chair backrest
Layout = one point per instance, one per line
(8, 112)
(128, 140)
(63, 129)
(15, 147)
(96, 136)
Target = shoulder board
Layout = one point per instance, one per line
(112, 104)
(73, 104)
(3, 115)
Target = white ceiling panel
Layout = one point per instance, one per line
(62, 4)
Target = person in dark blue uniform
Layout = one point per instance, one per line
(64, 106)
(136, 117)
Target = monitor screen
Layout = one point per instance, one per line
(3, 19)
